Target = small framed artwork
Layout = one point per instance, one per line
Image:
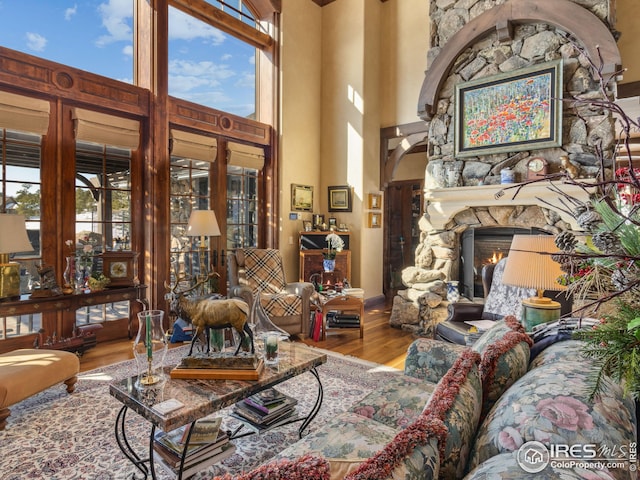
(333, 222)
(510, 112)
(340, 198)
(375, 201)
(375, 220)
(301, 198)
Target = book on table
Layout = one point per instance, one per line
(170, 445)
(225, 452)
(264, 415)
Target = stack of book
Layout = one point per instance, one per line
(207, 445)
(266, 409)
(342, 320)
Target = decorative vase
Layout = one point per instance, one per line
(329, 264)
(69, 275)
(150, 348)
(83, 268)
(453, 295)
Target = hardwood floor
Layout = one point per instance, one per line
(381, 343)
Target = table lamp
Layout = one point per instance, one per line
(203, 223)
(529, 265)
(13, 239)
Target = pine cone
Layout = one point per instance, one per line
(608, 243)
(589, 220)
(566, 241)
(567, 262)
(622, 278)
(580, 209)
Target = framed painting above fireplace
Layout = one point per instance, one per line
(510, 112)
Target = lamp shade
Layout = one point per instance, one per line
(14, 236)
(203, 223)
(529, 264)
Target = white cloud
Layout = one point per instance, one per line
(185, 75)
(185, 27)
(36, 42)
(70, 12)
(128, 51)
(252, 59)
(115, 14)
(246, 80)
(226, 56)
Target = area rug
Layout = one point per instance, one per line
(56, 436)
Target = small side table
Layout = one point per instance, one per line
(343, 303)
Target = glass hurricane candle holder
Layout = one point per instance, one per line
(150, 348)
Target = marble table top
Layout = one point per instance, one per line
(204, 397)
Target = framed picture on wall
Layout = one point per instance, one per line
(510, 112)
(301, 198)
(340, 198)
(375, 201)
(374, 220)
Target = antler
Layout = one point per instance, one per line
(200, 282)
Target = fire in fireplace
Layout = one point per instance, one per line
(480, 246)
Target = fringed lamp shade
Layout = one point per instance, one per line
(529, 265)
(13, 239)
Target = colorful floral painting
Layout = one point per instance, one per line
(509, 112)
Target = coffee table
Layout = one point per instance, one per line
(204, 397)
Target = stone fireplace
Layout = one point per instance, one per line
(473, 40)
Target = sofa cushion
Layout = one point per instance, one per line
(350, 439)
(568, 350)
(303, 468)
(457, 401)
(504, 349)
(505, 466)
(430, 360)
(550, 404)
(397, 403)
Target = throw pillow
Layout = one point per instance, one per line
(264, 271)
(505, 357)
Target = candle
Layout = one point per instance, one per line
(148, 340)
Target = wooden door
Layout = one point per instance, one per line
(403, 207)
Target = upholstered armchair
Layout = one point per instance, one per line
(500, 300)
(259, 273)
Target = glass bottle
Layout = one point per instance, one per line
(69, 275)
(150, 348)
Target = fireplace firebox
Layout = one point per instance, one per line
(480, 246)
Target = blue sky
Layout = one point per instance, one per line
(206, 66)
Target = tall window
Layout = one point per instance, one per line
(189, 191)
(242, 204)
(103, 217)
(92, 35)
(20, 157)
(209, 67)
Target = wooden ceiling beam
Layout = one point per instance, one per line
(222, 21)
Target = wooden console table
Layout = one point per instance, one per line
(27, 305)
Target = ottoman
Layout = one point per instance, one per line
(26, 372)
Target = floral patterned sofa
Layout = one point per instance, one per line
(460, 412)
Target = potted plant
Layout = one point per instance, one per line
(335, 244)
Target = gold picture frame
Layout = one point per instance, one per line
(374, 220)
(340, 198)
(375, 201)
(301, 198)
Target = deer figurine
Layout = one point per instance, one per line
(210, 313)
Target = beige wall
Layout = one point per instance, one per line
(331, 116)
(300, 130)
(405, 42)
(629, 44)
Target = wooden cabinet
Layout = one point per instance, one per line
(311, 249)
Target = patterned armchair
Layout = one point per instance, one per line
(501, 300)
(259, 273)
